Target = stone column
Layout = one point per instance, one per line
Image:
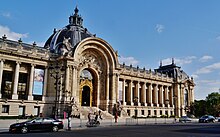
(67, 78)
(1, 74)
(98, 92)
(74, 89)
(123, 93)
(149, 94)
(107, 89)
(143, 94)
(166, 96)
(116, 87)
(160, 97)
(170, 95)
(31, 82)
(192, 94)
(15, 85)
(155, 95)
(137, 93)
(130, 92)
(45, 83)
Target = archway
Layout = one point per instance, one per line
(85, 96)
(86, 88)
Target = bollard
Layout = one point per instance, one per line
(80, 124)
(69, 123)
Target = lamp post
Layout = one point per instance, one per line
(136, 104)
(175, 104)
(56, 72)
(69, 106)
(166, 111)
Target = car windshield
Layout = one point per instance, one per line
(204, 116)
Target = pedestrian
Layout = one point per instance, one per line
(116, 117)
(89, 116)
(96, 116)
(115, 113)
(175, 119)
(100, 116)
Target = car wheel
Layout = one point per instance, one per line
(55, 129)
(24, 130)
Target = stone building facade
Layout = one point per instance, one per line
(78, 71)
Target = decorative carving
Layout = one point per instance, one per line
(67, 43)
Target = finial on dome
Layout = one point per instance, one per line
(76, 10)
(75, 19)
(172, 60)
(161, 64)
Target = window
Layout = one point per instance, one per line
(22, 82)
(7, 84)
(149, 113)
(155, 112)
(142, 112)
(5, 108)
(128, 111)
(36, 111)
(21, 110)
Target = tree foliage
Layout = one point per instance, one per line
(211, 105)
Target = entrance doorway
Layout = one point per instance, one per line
(86, 96)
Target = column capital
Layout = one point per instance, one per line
(2, 60)
(18, 62)
(33, 65)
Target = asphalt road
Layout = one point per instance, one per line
(154, 130)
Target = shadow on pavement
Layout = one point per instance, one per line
(205, 129)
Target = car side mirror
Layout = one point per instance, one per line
(33, 121)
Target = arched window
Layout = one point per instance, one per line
(85, 74)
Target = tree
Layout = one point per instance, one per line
(209, 106)
(199, 107)
(213, 103)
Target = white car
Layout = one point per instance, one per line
(185, 119)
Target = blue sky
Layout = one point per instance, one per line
(142, 31)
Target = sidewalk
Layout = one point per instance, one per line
(81, 123)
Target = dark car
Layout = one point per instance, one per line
(37, 124)
(185, 119)
(206, 119)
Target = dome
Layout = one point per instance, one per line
(65, 39)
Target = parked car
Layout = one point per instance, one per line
(185, 119)
(217, 119)
(206, 119)
(38, 124)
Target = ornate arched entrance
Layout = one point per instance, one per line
(86, 88)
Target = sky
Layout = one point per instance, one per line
(144, 32)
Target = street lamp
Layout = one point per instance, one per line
(175, 105)
(56, 72)
(136, 104)
(166, 111)
(69, 104)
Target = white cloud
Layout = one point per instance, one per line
(4, 30)
(128, 60)
(179, 61)
(195, 76)
(208, 69)
(39, 44)
(218, 37)
(6, 14)
(205, 58)
(159, 28)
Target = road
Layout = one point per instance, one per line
(154, 130)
